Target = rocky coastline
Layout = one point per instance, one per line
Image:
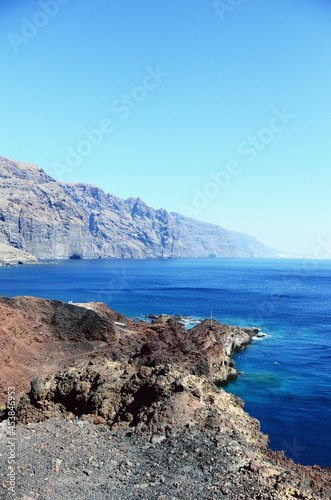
(56, 220)
(135, 409)
(10, 256)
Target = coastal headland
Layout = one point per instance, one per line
(42, 219)
(136, 409)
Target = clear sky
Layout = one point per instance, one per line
(218, 110)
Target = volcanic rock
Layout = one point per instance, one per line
(143, 419)
(41, 336)
(197, 433)
(57, 220)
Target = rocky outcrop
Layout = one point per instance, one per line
(154, 401)
(42, 336)
(201, 428)
(56, 220)
(39, 336)
(150, 392)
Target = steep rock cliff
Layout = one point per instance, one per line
(55, 220)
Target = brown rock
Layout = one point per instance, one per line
(42, 336)
(156, 383)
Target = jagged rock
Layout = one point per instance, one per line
(172, 408)
(56, 220)
(39, 336)
(162, 318)
(159, 400)
(153, 394)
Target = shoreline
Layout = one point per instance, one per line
(4, 262)
(204, 348)
(20, 263)
(149, 387)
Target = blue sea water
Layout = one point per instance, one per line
(285, 378)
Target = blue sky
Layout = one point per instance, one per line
(221, 113)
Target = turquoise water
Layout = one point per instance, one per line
(286, 377)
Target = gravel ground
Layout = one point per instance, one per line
(58, 459)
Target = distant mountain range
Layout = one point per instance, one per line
(46, 219)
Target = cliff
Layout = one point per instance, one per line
(55, 220)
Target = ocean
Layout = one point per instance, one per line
(285, 377)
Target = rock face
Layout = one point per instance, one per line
(55, 220)
(37, 216)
